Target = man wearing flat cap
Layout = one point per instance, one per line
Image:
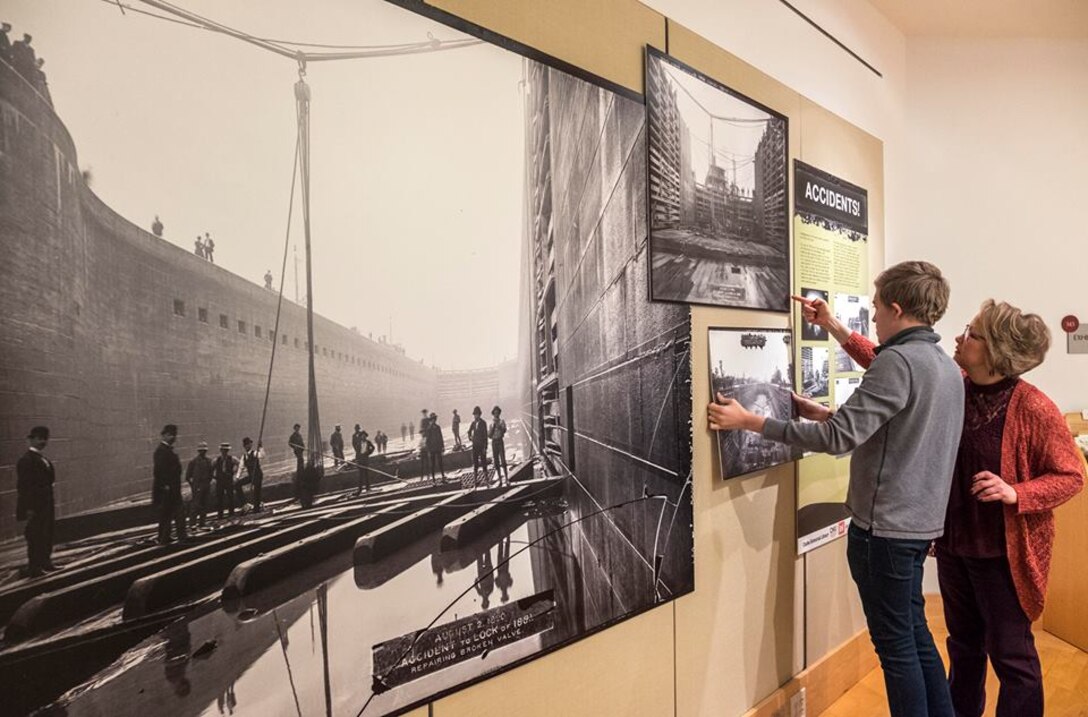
(336, 442)
(199, 476)
(166, 486)
(35, 502)
(477, 434)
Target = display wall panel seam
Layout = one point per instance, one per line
(831, 37)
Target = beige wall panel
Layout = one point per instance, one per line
(625, 670)
(833, 610)
(421, 712)
(736, 74)
(832, 144)
(604, 37)
(736, 636)
(1064, 615)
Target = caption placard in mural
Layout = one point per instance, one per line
(424, 652)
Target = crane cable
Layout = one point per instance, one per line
(279, 301)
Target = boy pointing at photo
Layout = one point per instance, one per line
(903, 424)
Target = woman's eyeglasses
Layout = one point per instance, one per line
(969, 334)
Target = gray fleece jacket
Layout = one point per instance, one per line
(903, 423)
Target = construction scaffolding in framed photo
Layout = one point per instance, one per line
(752, 366)
(718, 184)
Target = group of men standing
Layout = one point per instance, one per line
(20, 55)
(176, 509)
(228, 473)
(432, 443)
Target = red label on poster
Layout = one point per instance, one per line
(1070, 324)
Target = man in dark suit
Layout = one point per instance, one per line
(35, 502)
(477, 434)
(298, 446)
(166, 486)
(224, 469)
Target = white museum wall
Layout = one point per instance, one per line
(995, 184)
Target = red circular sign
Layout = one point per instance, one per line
(1070, 324)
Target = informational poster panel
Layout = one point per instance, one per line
(831, 232)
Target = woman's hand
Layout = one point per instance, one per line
(988, 487)
(807, 408)
(727, 414)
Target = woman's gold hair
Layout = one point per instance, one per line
(1015, 342)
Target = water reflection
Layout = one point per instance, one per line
(503, 578)
(266, 655)
(175, 664)
(485, 579)
(227, 701)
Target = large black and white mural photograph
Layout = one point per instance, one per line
(753, 367)
(719, 201)
(330, 382)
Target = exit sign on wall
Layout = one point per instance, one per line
(1077, 341)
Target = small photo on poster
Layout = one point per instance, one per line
(844, 389)
(843, 362)
(853, 311)
(752, 366)
(815, 371)
(812, 332)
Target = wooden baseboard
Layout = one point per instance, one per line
(825, 681)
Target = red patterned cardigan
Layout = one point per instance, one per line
(1041, 461)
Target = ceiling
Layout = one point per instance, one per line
(1066, 19)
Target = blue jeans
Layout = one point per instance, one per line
(888, 573)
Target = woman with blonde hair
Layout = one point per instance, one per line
(1016, 463)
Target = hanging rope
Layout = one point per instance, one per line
(277, 46)
(302, 99)
(279, 301)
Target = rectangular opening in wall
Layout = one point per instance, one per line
(202, 315)
(257, 331)
(224, 322)
(179, 307)
(241, 326)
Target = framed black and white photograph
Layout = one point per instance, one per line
(718, 184)
(812, 332)
(754, 367)
(333, 386)
(815, 371)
